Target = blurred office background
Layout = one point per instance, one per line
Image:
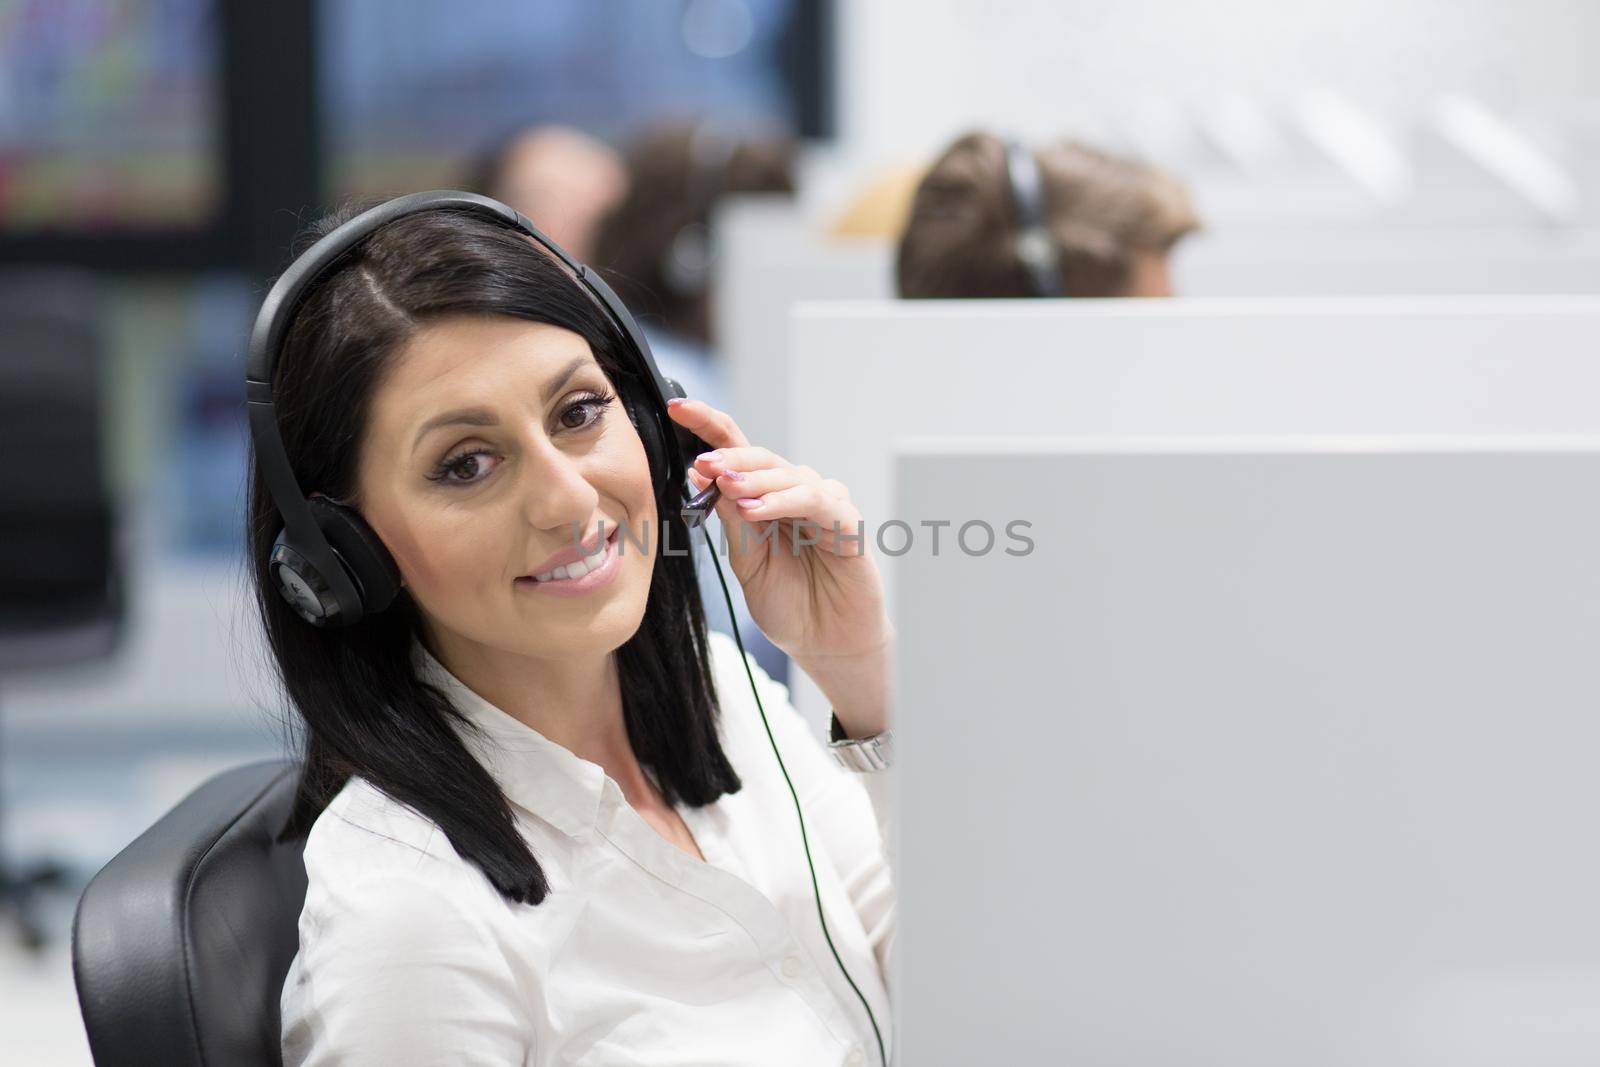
(155, 158)
(157, 155)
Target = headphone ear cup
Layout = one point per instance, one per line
(363, 554)
(303, 585)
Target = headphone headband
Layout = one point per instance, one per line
(1035, 247)
(304, 533)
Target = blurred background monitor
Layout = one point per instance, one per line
(112, 132)
(192, 134)
(409, 88)
(109, 117)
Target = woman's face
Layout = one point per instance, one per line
(491, 449)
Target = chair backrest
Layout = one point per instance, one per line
(61, 578)
(181, 943)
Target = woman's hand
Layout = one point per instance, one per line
(815, 593)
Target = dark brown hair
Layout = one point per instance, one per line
(961, 237)
(362, 709)
(676, 176)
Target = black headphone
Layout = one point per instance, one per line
(328, 563)
(1035, 247)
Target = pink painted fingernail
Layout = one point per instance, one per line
(706, 457)
(733, 476)
(675, 401)
(750, 502)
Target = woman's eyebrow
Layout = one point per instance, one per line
(459, 417)
(484, 417)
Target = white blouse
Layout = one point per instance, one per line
(641, 954)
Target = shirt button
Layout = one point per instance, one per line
(791, 966)
(856, 1057)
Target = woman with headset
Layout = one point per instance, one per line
(548, 818)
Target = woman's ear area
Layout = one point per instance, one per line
(352, 506)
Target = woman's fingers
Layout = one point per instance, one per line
(824, 520)
(748, 458)
(805, 500)
(744, 488)
(738, 483)
(757, 484)
(715, 428)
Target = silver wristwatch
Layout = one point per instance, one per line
(865, 754)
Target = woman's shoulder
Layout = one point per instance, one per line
(403, 946)
(366, 835)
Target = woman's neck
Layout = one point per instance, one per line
(575, 702)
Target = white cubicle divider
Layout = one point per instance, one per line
(866, 373)
(769, 257)
(1234, 204)
(1481, 241)
(1262, 206)
(1368, 262)
(1261, 751)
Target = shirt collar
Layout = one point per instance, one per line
(533, 771)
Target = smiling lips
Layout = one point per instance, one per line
(585, 552)
(582, 576)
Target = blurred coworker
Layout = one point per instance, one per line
(562, 179)
(1107, 228)
(655, 249)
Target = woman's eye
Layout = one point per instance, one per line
(594, 404)
(466, 468)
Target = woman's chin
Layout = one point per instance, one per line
(580, 625)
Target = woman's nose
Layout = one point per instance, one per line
(556, 493)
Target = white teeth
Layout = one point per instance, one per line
(578, 569)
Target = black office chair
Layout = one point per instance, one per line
(182, 941)
(62, 599)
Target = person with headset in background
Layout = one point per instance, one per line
(562, 179)
(656, 248)
(549, 818)
(993, 218)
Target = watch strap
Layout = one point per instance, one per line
(865, 754)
